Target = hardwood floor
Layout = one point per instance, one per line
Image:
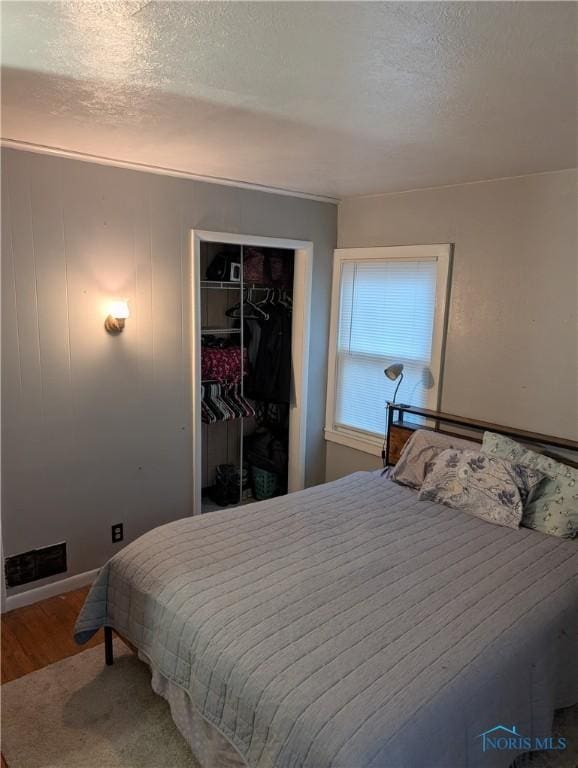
(41, 634)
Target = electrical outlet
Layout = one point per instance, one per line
(117, 533)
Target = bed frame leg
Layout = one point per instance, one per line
(108, 651)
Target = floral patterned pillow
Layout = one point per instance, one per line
(420, 452)
(553, 509)
(485, 486)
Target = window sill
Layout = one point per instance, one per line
(370, 445)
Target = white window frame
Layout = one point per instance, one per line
(442, 253)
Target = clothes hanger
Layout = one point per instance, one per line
(256, 307)
(234, 311)
(284, 299)
(265, 301)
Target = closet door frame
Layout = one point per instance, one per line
(302, 280)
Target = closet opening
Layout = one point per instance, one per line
(250, 299)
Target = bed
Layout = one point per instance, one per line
(348, 625)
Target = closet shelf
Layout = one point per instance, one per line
(214, 331)
(229, 286)
(220, 381)
(221, 284)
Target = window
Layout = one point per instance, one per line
(388, 307)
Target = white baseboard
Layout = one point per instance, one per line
(32, 596)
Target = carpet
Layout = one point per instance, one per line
(566, 725)
(78, 713)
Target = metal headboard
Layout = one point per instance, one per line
(439, 418)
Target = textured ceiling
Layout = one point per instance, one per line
(327, 98)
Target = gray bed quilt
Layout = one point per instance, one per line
(351, 625)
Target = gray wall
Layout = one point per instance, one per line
(512, 343)
(96, 429)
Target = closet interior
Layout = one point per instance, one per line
(246, 372)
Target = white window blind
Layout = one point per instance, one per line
(386, 315)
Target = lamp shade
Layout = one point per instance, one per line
(119, 309)
(394, 371)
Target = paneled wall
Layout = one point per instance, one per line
(95, 428)
(512, 339)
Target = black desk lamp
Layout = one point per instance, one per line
(392, 372)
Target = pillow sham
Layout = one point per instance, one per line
(420, 452)
(485, 486)
(553, 509)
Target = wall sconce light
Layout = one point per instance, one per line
(119, 312)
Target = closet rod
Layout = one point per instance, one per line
(258, 287)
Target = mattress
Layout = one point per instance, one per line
(351, 625)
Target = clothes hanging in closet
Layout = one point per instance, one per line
(270, 378)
